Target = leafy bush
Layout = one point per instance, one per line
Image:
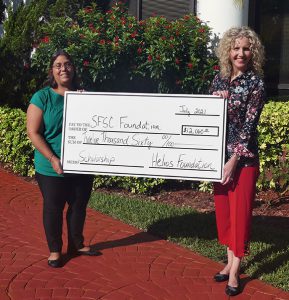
(133, 184)
(278, 176)
(115, 52)
(176, 55)
(274, 144)
(15, 149)
(18, 80)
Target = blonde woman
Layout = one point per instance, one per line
(241, 57)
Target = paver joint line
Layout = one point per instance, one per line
(134, 264)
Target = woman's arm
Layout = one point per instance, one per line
(35, 134)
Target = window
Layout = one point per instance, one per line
(171, 9)
(272, 23)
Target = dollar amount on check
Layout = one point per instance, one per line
(144, 135)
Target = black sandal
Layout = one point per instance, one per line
(232, 290)
(55, 263)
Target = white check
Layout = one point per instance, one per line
(144, 135)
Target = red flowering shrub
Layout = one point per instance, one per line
(45, 40)
(115, 52)
(178, 58)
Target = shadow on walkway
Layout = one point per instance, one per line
(133, 264)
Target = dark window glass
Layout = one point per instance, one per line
(171, 9)
(272, 22)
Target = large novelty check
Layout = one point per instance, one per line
(144, 135)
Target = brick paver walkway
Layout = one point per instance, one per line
(134, 265)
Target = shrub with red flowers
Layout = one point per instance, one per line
(176, 55)
(101, 45)
(115, 52)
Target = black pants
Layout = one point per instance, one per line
(56, 191)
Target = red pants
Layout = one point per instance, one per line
(234, 205)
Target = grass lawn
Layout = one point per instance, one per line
(269, 257)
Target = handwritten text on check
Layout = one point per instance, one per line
(146, 135)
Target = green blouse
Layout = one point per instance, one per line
(51, 104)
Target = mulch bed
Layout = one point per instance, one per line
(268, 203)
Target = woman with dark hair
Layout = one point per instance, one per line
(241, 58)
(44, 128)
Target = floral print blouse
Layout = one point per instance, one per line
(246, 100)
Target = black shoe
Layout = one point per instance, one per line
(55, 263)
(233, 291)
(90, 252)
(221, 277)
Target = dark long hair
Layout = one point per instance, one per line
(51, 80)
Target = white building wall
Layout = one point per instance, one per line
(220, 15)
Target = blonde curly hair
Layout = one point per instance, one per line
(228, 41)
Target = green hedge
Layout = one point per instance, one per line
(16, 151)
(274, 146)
